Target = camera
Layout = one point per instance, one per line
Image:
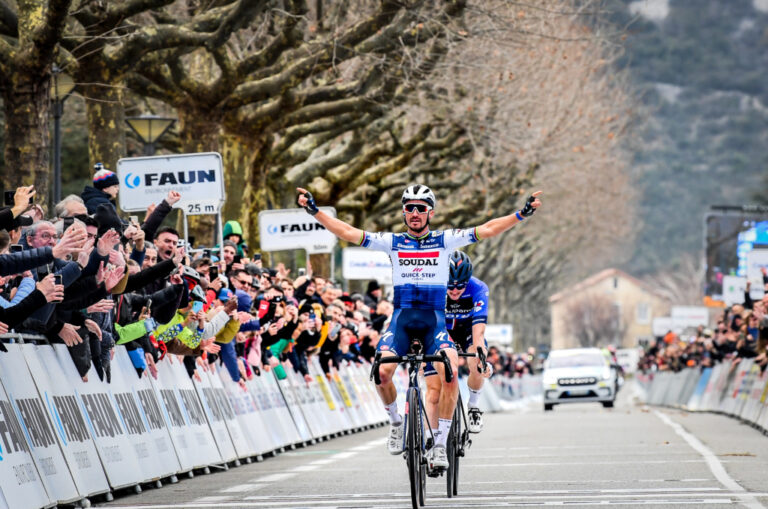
(302, 271)
(180, 243)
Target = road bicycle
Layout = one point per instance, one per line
(458, 437)
(415, 414)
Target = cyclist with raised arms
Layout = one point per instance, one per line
(466, 313)
(419, 274)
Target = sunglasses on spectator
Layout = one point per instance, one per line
(457, 286)
(416, 207)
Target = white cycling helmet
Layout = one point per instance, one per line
(419, 192)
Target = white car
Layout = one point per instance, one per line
(578, 375)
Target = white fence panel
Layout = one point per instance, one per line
(65, 410)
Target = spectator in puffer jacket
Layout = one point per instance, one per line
(104, 190)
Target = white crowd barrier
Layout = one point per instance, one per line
(63, 440)
(739, 390)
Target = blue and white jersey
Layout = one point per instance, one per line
(419, 265)
(469, 309)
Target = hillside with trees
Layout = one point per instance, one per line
(700, 67)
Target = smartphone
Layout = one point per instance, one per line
(207, 253)
(256, 256)
(133, 220)
(148, 305)
(302, 271)
(9, 198)
(68, 221)
(57, 279)
(197, 306)
(16, 248)
(213, 273)
(237, 259)
(180, 243)
(191, 240)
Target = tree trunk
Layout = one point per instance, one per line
(199, 131)
(106, 114)
(27, 142)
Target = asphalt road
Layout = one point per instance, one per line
(576, 455)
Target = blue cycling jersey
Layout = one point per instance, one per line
(419, 265)
(469, 309)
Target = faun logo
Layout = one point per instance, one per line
(170, 178)
(294, 228)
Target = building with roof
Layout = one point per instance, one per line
(610, 307)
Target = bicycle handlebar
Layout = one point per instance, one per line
(480, 354)
(421, 358)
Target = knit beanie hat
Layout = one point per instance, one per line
(104, 178)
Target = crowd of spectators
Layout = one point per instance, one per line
(741, 333)
(90, 279)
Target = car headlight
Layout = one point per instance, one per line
(607, 375)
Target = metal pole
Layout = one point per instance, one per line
(149, 149)
(186, 226)
(58, 107)
(333, 263)
(220, 233)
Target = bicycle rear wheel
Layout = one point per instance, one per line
(413, 449)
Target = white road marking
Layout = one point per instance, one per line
(214, 499)
(304, 468)
(714, 464)
(322, 462)
(343, 455)
(591, 481)
(403, 501)
(239, 488)
(589, 463)
(275, 477)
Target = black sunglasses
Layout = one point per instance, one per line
(418, 207)
(457, 286)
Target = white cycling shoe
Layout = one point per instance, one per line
(395, 440)
(475, 420)
(437, 457)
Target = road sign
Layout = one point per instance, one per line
(499, 333)
(361, 263)
(285, 229)
(199, 179)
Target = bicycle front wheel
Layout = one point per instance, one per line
(452, 448)
(414, 449)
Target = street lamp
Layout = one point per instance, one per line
(149, 129)
(61, 86)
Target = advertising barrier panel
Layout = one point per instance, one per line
(20, 486)
(37, 425)
(185, 417)
(142, 416)
(216, 417)
(117, 455)
(243, 447)
(68, 418)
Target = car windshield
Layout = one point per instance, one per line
(576, 360)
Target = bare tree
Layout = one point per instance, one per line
(594, 320)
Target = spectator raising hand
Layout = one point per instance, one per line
(51, 291)
(71, 241)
